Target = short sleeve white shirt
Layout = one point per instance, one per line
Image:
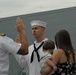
(44, 58)
(7, 45)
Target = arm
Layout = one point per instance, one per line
(18, 39)
(23, 40)
(55, 59)
(51, 64)
(45, 68)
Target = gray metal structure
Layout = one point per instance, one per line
(56, 19)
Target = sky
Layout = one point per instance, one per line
(19, 7)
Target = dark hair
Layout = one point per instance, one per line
(63, 41)
(48, 44)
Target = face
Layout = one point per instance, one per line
(51, 51)
(37, 31)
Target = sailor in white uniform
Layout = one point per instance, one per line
(7, 46)
(35, 50)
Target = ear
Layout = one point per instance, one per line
(43, 29)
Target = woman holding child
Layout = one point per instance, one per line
(64, 57)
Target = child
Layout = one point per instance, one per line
(48, 48)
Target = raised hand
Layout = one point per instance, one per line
(18, 40)
(19, 24)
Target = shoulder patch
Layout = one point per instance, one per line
(1, 34)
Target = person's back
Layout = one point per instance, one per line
(65, 66)
(66, 54)
(64, 57)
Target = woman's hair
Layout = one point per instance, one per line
(63, 41)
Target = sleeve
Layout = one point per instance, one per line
(22, 60)
(10, 45)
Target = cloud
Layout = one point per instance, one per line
(19, 7)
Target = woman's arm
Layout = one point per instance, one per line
(55, 59)
(45, 70)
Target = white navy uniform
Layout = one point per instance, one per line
(7, 45)
(34, 67)
(23, 62)
(43, 59)
(43, 63)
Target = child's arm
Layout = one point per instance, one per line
(45, 70)
(51, 64)
(48, 68)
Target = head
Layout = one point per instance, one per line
(63, 41)
(49, 46)
(38, 28)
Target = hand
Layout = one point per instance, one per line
(19, 25)
(55, 68)
(45, 70)
(18, 40)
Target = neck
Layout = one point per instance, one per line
(46, 51)
(39, 39)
